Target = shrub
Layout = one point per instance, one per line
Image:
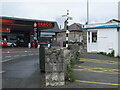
(109, 54)
(117, 56)
(72, 62)
(69, 74)
(103, 53)
(77, 55)
(113, 53)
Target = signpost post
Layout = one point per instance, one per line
(66, 27)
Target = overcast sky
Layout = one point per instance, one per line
(100, 11)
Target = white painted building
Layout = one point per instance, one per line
(104, 37)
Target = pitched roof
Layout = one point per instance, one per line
(74, 27)
(113, 20)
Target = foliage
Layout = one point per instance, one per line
(77, 55)
(69, 74)
(117, 56)
(72, 63)
(69, 70)
(112, 54)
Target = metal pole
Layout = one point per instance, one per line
(87, 12)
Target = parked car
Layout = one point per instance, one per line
(11, 44)
(45, 44)
(3, 43)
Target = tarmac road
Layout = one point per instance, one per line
(21, 70)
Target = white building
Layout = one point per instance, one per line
(104, 37)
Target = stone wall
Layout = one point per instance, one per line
(56, 61)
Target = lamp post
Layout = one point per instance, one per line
(66, 26)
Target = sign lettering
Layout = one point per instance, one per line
(45, 24)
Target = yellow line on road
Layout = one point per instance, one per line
(104, 69)
(97, 82)
(7, 60)
(97, 69)
(99, 61)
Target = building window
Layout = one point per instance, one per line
(94, 37)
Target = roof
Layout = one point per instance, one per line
(110, 24)
(113, 20)
(74, 27)
(54, 29)
(17, 18)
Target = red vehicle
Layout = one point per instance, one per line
(3, 43)
(45, 43)
(34, 44)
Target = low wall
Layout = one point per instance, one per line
(56, 61)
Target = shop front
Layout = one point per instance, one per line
(24, 31)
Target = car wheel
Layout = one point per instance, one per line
(12, 45)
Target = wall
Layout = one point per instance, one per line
(73, 36)
(119, 10)
(107, 39)
(119, 42)
(119, 29)
(56, 61)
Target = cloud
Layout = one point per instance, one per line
(99, 11)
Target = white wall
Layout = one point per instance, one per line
(107, 39)
(119, 10)
(119, 42)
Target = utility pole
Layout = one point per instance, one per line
(87, 12)
(66, 26)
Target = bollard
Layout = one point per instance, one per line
(42, 59)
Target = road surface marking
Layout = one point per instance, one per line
(8, 56)
(6, 60)
(97, 69)
(2, 71)
(24, 55)
(99, 61)
(97, 82)
(16, 55)
(30, 54)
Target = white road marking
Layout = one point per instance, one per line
(23, 55)
(30, 54)
(8, 56)
(2, 71)
(16, 55)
